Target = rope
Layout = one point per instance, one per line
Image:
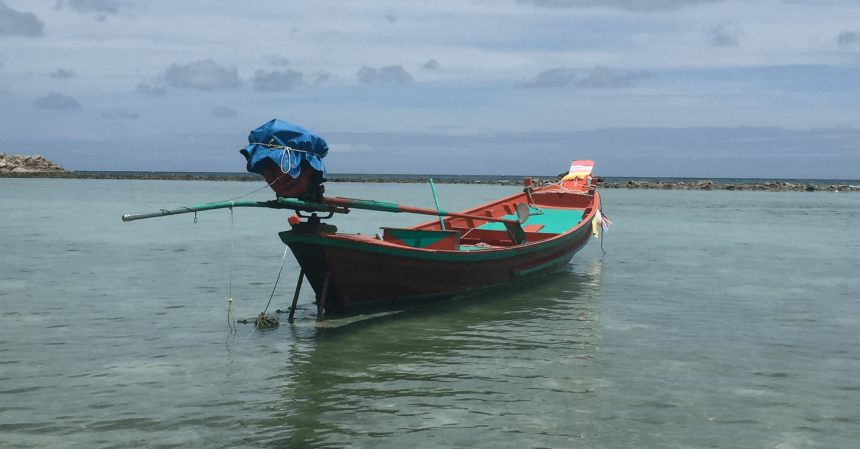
(231, 320)
(231, 249)
(602, 217)
(529, 195)
(287, 151)
(230, 297)
(255, 191)
(277, 278)
(232, 324)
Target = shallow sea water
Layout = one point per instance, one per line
(716, 319)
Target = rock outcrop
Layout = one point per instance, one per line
(17, 163)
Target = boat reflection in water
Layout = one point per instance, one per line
(509, 367)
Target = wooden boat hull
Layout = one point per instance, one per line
(366, 271)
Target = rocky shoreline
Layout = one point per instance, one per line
(773, 186)
(17, 166)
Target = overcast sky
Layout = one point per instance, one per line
(698, 88)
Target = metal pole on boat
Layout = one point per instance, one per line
(296, 296)
(202, 207)
(436, 200)
(321, 302)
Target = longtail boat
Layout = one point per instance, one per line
(460, 254)
(505, 241)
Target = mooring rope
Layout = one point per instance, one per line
(231, 320)
(602, 217)
(286, 248)
(230, 288)
(255, 191)
(287, 150)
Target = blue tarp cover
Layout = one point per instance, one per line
(281, 143)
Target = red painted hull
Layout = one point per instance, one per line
(365, 270)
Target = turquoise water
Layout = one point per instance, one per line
(716, 319)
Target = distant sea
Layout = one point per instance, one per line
(496, 178)
(713, 319)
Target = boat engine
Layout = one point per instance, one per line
(289, 158)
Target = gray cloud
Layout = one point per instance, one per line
(726, 34)
(278, 60)
(120, 115)
(276, 80)
(390, 17)
(392, 74)
(603, 77)
(14, 23)
(202, 75)
(557, 77)
(431, 65)
(146, 89)
(55, 100)
(323, 78)
(62, 74)
(629, 5)
(847, 39)
(222, 112)
(94, 6)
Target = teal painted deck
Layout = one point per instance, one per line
(554, 221)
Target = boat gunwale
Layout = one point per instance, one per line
(346, 240)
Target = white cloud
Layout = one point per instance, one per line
(202, 75)
(392, 74)
(56, 100)
(15, 23)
